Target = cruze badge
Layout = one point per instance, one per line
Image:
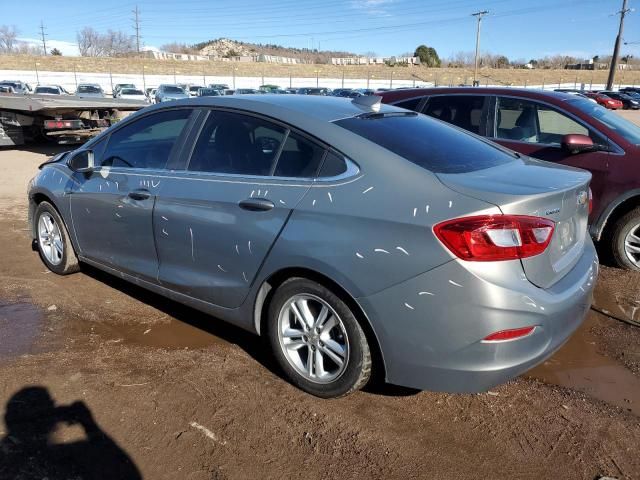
(583, 197)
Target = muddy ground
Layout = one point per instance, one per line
(126, 384)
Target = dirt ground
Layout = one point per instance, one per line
(100, 379)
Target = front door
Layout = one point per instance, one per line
(112, 206)
(216, 222)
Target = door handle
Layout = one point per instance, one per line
(256, 204)
(140, 194)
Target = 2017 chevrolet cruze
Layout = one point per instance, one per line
(353, 235)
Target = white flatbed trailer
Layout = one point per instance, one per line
(58, 118)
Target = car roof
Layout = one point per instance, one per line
(321, 108)
(398, 95)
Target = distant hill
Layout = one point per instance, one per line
(223, 47)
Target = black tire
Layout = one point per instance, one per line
(623, 226)
(68, 262)
(357, 371)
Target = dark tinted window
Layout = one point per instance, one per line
(333, 166)
(464, 111)
(236, 144)
(89, 89)
(299, 158)
(411, 104)
(147, 142)
(425, 142)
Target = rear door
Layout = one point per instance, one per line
(216, 220)
(536, 129)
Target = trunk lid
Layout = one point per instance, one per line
(539, 189)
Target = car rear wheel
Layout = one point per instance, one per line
(317, 340)
(53, 241)
(626, 240)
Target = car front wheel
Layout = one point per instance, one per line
(53, 241)
(317, 340)
(626, 240)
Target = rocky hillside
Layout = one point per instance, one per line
(223, 47)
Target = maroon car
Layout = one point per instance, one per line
(556, 127)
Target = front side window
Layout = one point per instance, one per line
(147, 142)
(232, 143)
(464, 111)
(526, 121)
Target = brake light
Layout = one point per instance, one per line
(506, 335)
(488, 238)
(590, 201)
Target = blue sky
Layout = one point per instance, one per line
(517, 28)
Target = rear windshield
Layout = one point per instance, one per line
(55, 91)
(88, 89)
(131, 91)
(428, 143)
(173, 90)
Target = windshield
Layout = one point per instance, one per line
(10, 84)
(208, 92)
(131, 91)
(429, 143)
(88, 89)
(172, 90)
(629, 131)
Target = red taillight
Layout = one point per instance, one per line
(60, 124)
(590, 201)
(506, 335)
(490, 238)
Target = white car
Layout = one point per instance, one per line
(132, 94)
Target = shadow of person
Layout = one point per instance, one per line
(29, 448)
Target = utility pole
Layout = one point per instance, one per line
(479, 16)
(43, 35)
(136, 26)
(616, 47)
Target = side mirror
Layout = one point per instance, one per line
(82, 162)
(577, 143)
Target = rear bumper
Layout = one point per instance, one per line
(430, 327)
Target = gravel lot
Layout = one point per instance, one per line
(146, 388)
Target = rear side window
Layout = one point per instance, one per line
(427, 143)
(411, 104)
(333, 166)
(147, 142)
(464, 111)
(299, 158)
(233, 143)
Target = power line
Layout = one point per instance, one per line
(136, 26)
(616, 47)
(43, 35)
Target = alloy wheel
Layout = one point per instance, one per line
(313, 338)
(50, 239)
